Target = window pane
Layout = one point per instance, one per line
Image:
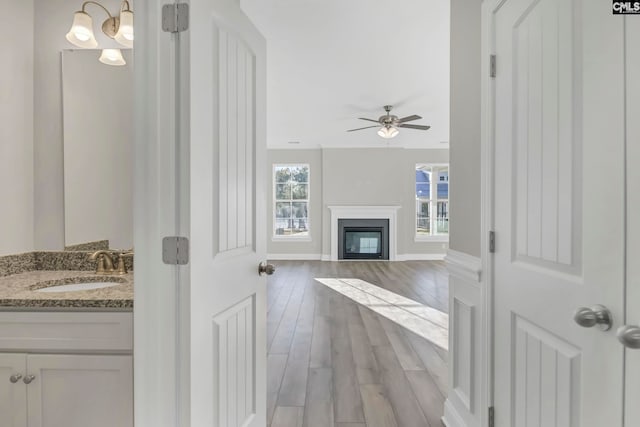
(299, 191)
(283, 174)
(442, 219)
(423, 183)
(443, 190)
(283, 191)
(299, 210)
(300, 174)
(423, 223)
(283, 210)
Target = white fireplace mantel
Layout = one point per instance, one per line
(364, 212)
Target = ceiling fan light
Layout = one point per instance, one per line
(388, 132)
(112, 57)
(124, 36)
(81, 32)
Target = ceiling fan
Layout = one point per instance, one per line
(389, 123)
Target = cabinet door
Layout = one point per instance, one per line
(13, 395)
(80, 391)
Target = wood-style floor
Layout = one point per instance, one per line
(333, 362)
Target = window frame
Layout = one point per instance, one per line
(433, 236)
(274, 201)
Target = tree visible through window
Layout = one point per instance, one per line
(291, 200)
(432, 200)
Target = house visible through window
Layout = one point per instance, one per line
(432, 200)
(291, 200)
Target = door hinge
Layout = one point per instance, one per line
(175, 17)
(492, 241)
(491, 418)
(175, 250)
(492, 66)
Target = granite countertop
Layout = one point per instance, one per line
(20, 290)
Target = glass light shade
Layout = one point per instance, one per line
(388, 132)
(81, 32)
(124, 36)
(112, 57)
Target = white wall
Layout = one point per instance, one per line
(464, 140)
(16, 128)
(52, 21)
(358, 176)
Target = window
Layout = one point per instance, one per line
(432, 200)
(291, 200)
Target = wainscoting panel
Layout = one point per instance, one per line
(462, 356)
(463, 405)
(233, 331)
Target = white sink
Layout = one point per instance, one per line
(74, 287)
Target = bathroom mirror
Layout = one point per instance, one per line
(98, 148)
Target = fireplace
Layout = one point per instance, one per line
(386, 213)
(360, 238)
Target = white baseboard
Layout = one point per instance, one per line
(420, 257)
(403, 257)
(293, 257)
(451, 418)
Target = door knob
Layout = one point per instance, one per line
(265, 268)
(629, 336)
(15, 378)
(596, 315)
(28, 379)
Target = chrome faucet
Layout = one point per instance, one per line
(105, 264)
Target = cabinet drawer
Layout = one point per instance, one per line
(66, 331)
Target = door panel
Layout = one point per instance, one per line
(227, 214)
(234, 339)
(559, 189)
(544, 138)
(236, 143)
(547, 369)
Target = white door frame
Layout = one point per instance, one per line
(160, 303)
(487, 199)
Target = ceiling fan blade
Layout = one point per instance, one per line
(368, 127)
(409, 118)
(369, 120)
(414, 126)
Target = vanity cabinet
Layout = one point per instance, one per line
(66, 390)
(66, 369)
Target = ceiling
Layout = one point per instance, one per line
(332, 61)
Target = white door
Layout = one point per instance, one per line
(13, 390)
(559, 212)
(227, 59)
(80, 390)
